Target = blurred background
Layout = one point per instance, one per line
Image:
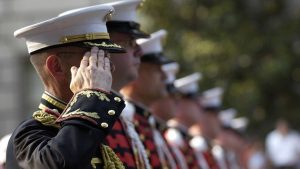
(250, 48)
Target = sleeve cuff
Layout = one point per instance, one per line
(99, 108)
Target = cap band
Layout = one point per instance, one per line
(84, 37)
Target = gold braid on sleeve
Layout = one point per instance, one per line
(110, 159)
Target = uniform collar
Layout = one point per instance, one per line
(140, 108)
(49, 101)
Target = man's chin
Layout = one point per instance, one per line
(164, 94)
(132, 77)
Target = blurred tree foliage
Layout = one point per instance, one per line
(249, 47)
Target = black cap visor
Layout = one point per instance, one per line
(131, 28)
(156, 58)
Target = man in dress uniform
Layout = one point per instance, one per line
(211, 101)
(232, 148)
(61, 135)
(191, 114)
(164, 108)
(141, 93)
(187, 115)
(221, 149)
(228, 140)
(123, 28)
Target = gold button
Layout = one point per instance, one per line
(142, 137)
(117, 99)
(148, 153)
(111, 112)
(104, 125)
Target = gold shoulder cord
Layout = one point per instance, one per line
(45, 118)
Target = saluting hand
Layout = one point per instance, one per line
(94, 72)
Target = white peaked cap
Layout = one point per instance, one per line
(76, 25)
(3, 147)
(125, 10)
(154, 43)
(170, 69)
(212, 97)
(226, 116)
(188, 84)
(240, 123)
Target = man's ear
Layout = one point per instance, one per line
(54, 66)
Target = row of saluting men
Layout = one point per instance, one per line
(121, 108)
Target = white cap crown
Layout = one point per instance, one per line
(154, 43)
(75, 25)
(226, 116)
(125, 10)
(188, 84)
(240, 123)
(212, 97)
